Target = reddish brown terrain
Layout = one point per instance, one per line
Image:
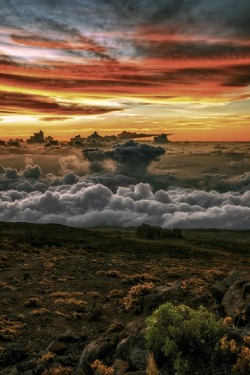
(70, 296)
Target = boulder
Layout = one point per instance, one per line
(94, 350)
(133, 350)
(219, 288)
(160, 295)
(150, 302)
(168, 292)
(233, 277)
(236, 302)
(90, 352)
(218, 291)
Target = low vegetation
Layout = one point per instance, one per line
(64, 290)
(101, 369)
(134, 298)
(194, 341)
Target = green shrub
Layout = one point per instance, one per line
(186, 339)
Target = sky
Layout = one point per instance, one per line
(175, 66)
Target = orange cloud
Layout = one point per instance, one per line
(12, 103)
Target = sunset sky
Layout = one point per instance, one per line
(177, 66)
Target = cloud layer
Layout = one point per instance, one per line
(118, 48)
(191, 186)
(85, 204)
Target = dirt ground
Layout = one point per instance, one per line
(55, 279)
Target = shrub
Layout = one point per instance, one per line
(101, 369)
(134, 298)
(241, 352)
(185, 338)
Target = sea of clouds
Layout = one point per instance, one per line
(76, 196)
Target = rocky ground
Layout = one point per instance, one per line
(73, 297)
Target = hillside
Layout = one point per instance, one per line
(57, 281)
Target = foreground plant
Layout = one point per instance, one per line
(186, 339)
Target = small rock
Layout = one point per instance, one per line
(115, 327)
(27, 365)
(14, 354)
(33, 302)
(10, 371)
(95, 315)
(68, 337)
(117, 337)
(56, 347)
(236, 335)
(122, 349)
(120, 367)
(21, 317)
(103, 349)
(150, 302)
(168, 292)
(39, 369)
(218, 290)
(135, 326)
(65, 360)
(89, 353)
(28, 372)
(133, 350)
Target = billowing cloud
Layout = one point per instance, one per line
(132, 158)
(89, 205)
(190, 186)
(31, 170)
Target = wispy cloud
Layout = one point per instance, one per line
(165, 48)
(27, 103)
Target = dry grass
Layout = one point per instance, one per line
(128, 279)
(9, 329)
(33, 302)
(58, 370)
(134, 297)
(116, 293)
(62, 294)
(39, 312)
(47, 357)
(6, 286)
(152, 368)
(101, 369)
(49, 266)
(93, 294)
(72, 303)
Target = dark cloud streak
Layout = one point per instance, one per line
(26, 103)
